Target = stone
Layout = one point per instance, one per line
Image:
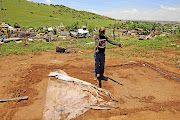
(60, 49)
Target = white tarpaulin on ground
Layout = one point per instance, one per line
(69, 97)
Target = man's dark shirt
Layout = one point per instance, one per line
(100, 42)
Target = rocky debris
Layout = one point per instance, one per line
(60, 49)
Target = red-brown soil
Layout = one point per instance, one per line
(176, 41)
(145, 95)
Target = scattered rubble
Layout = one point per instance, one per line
(24, 63)
(60, 49)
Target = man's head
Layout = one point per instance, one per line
(101, 31)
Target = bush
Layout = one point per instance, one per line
(16, 25)
(41, 31)
(50, 16)
(54, 31)
(178, 35)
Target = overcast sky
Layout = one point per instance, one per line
(164, 10)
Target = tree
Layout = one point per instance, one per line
(75, 25)
(178, 30)
(110, 26)
(54, 31)
(91, 29)
(16, 25)
(68, 27)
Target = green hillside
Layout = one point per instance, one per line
(30, 14)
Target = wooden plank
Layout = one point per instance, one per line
(11, 39)
(20, 98)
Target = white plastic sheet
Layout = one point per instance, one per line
(69, 97)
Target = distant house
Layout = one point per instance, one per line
(64, 33)
(50, 29)
(3, 27)
(62, 27)
(83, 32)
(7, 26)
(45, 28)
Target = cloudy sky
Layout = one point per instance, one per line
(164, 10)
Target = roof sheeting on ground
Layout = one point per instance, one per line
(73, 97)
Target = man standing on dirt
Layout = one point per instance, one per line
(99, 55)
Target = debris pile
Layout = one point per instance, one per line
(60, 49)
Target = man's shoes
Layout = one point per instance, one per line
(104, 78)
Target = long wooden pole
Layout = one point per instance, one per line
(20, 98)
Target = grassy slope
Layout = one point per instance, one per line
(21, 13)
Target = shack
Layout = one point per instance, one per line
(4, 29)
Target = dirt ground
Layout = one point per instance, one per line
(145, 95)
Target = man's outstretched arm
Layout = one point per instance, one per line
(113, 43)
